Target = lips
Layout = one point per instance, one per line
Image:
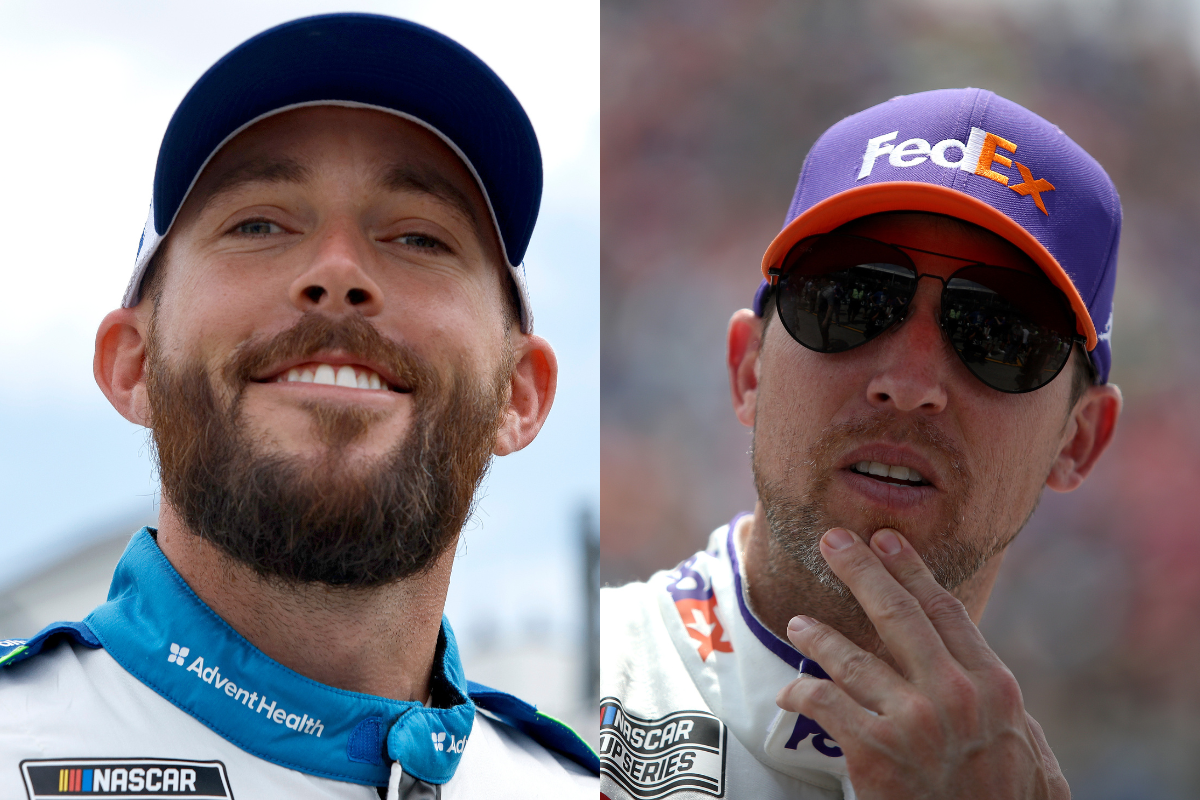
(331, 371)
(346, 376)
(890, 472)
(892, 465)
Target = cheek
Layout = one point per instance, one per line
(469, 298)
(813, 389)
(1014, 452)
(799, 394)
(203, 313)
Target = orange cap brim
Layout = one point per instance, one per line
(877, 198)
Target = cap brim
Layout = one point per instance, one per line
(877, 198)
(364, 61)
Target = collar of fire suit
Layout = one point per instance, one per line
(156, 627)
(741, 665)
(790, 655)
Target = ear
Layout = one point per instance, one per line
(119, 364)
(534, 380)
(1088, 433)
(742, 358)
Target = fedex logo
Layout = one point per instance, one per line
(977, 155)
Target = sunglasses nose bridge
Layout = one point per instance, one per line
(934, 296)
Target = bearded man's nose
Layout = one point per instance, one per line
(336, 281)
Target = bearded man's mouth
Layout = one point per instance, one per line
(349, 376)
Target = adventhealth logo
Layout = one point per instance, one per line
(977, 155)
(301, 723)
(178, 654)
(455, 745)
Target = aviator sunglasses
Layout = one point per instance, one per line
(1012, 329)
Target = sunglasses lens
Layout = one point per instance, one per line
(842, 291)
(1012, 329)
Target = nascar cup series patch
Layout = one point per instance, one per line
(651, 758)
(125, 777)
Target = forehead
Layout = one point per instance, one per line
(941, 234)
(372, 147)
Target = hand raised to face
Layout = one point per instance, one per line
(948, 721)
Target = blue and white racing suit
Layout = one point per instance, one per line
(154, 695)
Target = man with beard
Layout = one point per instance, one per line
(825, 645)
(329, 335)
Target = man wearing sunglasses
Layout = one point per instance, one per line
(929, 348)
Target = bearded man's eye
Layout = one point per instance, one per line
(418, 240)
(259, 227)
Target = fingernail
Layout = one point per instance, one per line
(797, 624)
(838, 539)
(887, 542)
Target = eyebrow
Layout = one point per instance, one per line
(259, 170)
(394, 178)
(406, 178)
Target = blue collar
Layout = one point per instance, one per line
(156, 627)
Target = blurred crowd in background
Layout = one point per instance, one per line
(708, 109)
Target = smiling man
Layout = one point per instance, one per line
(329, 335)
(928, 350)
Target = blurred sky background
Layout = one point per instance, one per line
(708, 109)
(87, 89)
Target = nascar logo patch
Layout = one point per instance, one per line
(651, 758)
(125, 777)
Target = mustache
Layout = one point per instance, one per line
(842, 437)
(315, 332)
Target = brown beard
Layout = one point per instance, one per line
(798, 520)
(323, 519)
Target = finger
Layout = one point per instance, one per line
(864, 677)
(1054, 775)
(945, 612)
(826, 702)
(896, 614)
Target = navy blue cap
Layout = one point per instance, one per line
(358, 60)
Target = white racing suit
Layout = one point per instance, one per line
(154, 695)
(688, 679)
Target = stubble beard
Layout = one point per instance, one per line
(330, 519)
(798, 516)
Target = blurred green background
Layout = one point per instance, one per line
(707, 111)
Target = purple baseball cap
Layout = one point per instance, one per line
(971, 154)
(358, 61)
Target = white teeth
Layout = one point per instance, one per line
(888, 471)
(345, 375)
(325, 375)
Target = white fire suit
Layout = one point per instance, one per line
(154, 695)
(688, 679)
